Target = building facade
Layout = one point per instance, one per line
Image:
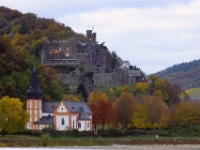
(63, 115)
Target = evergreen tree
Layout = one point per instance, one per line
(24, 28)
(81, 90)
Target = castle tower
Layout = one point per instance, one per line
(34, 101)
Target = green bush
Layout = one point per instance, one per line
(86, 133)
(45, 139)
(103, 132)
(75, 132)
(114, 132)
(32, 132)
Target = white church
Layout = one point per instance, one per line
(63, 115)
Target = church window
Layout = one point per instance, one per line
(63, 121)
(79, 125)
(73, 124)
(88, 125)
(35, 115)
(30, 103)
(35, 104)
(29, 126)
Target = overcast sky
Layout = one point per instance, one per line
(151, 34)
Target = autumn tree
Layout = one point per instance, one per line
(95, 96)
(24, 28)
(141, 88)
(48, 80)
(168, 92)
(157, 113)
(121, 89)
(72, 98)
(125, 106)
(103, 113)
(12, 116)
(184, 113)
(140, 118)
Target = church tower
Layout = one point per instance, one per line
(34, 101)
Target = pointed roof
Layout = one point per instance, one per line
(34, 90)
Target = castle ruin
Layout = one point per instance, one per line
(84, 53)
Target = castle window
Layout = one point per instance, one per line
(63, 121)
(79, 125)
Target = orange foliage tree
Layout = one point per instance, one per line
(103, 113)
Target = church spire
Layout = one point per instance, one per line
(34, 91)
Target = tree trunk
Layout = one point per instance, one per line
(3, 132)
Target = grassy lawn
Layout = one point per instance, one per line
(30, 141)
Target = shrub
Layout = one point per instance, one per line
(114, 132)
(45, 139)
(86, 133)
(3, 144)
(75, 132)
(103, 132)
(32, 132)
(89, 74)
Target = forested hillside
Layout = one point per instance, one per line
(21, 40)
(185, 75)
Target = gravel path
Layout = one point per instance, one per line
(142, 147)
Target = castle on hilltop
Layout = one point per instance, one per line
(75, 52)
(85, 53)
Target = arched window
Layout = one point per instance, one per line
(63, 121)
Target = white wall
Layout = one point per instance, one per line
(59, 125)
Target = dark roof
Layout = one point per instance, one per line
(34, 90)
(82, 114)
(78, 107)
(45, 120)
(49, 107)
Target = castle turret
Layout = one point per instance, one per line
(34, 101)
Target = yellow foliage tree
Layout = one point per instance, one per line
(184, 113)
(111, 91)
(140, 118)
(13, 117)
(152, 113)
(141, 88)
(96, 96)
(125, 105)
(19, 40)
(72, 98)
